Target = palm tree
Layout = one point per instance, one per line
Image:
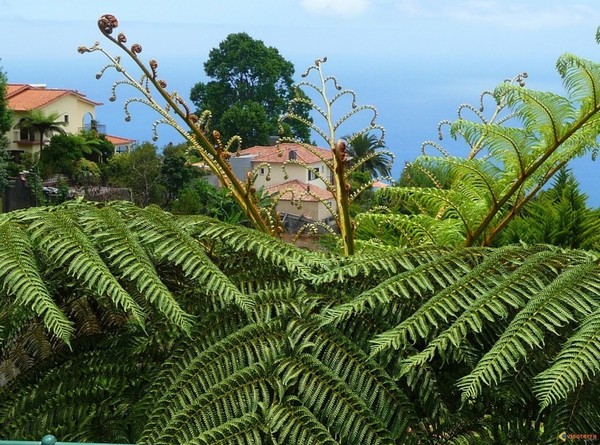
(362, 149)
(42, 123)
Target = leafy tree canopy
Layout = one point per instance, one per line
(250, 88)
(5, 113)
(139, 171)
(5, 125)
(175, 171)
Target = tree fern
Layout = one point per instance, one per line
(529, 137)
(375, 348)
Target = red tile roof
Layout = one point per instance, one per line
(23, 97)
(296, 189)
(278, 154)
(379, 185)
(116, 140)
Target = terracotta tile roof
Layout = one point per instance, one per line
(296, 189)
(278, 154)
(379, 185)
(23, 97)
(116, 140)
(13, 88)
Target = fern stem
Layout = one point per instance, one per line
(526, 174)
(213, 157)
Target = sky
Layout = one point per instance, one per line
(416, 61)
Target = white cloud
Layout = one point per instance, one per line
(343, 8)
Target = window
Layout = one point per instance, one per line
(262, 171)
(24, 133)
(311, 175)
(66, 118)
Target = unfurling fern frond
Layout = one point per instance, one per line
(530, 136)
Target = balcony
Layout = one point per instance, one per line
(24, 138)
(100, 128)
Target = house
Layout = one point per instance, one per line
(302, 200)
(281, 170)
(75, 109)
(122, 145)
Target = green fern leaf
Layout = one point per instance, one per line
(20, 276)
(576, 363)
(546, 311)
(59, 236)
(126, 255)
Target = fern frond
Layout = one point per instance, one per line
(548, 310)
(322, 392)
(264, 247)
(543, 112)
(504, 292)
(126, 255)
(453, 299)
(244, 430)
(207, 369)
(398, 229)
(581, 78)
(71, 397)
(231, 398)
(177, 247)
(364, 376)
(58, 235)
(420, 281)
(20, 277)
(577, 362)
(294, 423)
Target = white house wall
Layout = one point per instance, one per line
(79, 113)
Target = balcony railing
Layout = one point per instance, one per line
(100, 128)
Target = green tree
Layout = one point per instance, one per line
(96, 147)
(175, 171)
(60, 155)
(202, 198)
(42, 123)
(365, 152)
(557, 216)
(139, 170)
(86, 173)
(5, 127)
(250, 89)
